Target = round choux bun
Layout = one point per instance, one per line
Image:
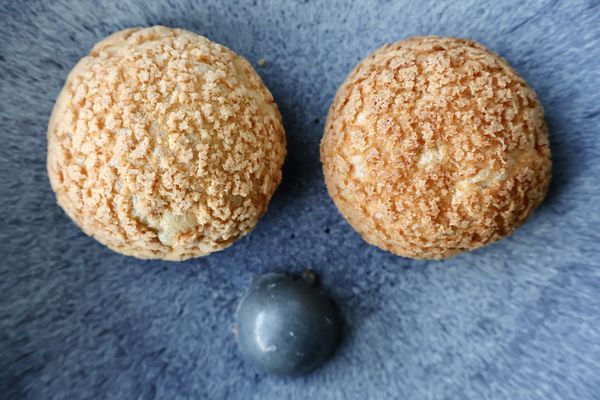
(434, 146)
(164, 144)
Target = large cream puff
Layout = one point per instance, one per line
(434, 146)
(164, 144)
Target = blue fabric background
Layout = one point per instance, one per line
(517, 320)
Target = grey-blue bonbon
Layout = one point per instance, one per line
(286, 326)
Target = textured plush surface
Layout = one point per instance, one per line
(519, 319)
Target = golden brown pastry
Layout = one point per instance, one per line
(435, 146)
(163, 144)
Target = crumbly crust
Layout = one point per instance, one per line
(163, 144)
(434, 146)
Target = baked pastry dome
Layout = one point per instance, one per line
(434, 146)
(164, 144)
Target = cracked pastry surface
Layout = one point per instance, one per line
(164, 144)
(434, 146)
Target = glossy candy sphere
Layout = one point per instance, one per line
(286, 326)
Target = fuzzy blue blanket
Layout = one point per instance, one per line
(517, 320)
